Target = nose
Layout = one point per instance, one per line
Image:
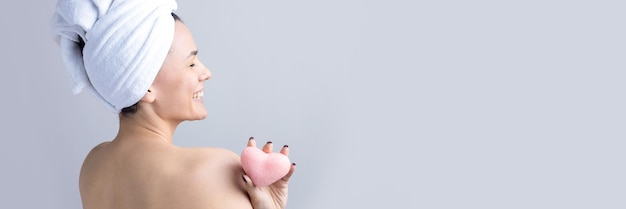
(205, 74)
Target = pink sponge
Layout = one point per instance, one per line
(264, 168)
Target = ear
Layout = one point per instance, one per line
(149, 96)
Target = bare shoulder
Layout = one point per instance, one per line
(210, 164)
(213, 177)
(211, 154)
(98, 148)
(90, 173)
(93, 156)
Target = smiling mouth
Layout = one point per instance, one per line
(198, 95)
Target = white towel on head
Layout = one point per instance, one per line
(125, 44)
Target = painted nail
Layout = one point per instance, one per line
(244, 178)
(269, 142)
(251, 138)
(286, 146)
(294, 164)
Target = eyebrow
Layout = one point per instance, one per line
(193, 53)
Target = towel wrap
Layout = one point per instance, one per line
(113, 48)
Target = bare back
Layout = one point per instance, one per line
(148, 174)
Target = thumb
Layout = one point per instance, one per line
(256, 196)
(247, 182)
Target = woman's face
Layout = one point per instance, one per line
(178, 87)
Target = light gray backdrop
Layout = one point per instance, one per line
(385, 104)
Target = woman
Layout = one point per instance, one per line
(140, 167)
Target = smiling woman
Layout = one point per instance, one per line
(179, 83)
(140, 167)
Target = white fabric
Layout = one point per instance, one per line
(125, 44)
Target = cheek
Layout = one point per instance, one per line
(175, 82)
(179, 87)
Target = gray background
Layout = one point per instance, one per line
(385, 104)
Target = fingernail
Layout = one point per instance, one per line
(244, 178)
(269, 142)
(286, 146)
(251, 138)
(293, 164)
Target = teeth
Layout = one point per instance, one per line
(198, 95)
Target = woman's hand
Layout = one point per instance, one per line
(273, 196)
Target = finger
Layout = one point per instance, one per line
(251, 142)
(267, 148)
(285, 150)
(291, 170)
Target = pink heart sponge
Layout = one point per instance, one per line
(264, 168)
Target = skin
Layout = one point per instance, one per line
(141, 168)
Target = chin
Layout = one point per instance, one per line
(201, 116)
(197, 118)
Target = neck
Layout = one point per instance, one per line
(141, 126)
